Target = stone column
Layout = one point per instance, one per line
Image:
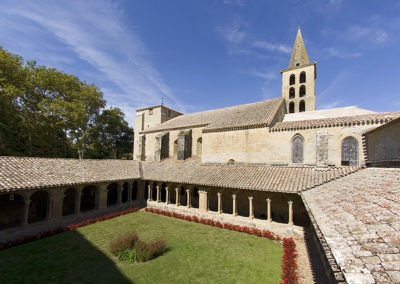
(219, 202)
(188, 199)
(158, 192)
(149, 193)
(269, 220)
(251, 211)
(290, 213)
(130, 188)
(101, 193)
(119, 189)
(56, 199)
(234, 209)
(78, 198)
(203, 200)
(177, 196)
(167, 197)
(27, 202)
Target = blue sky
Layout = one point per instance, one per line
(201, 55)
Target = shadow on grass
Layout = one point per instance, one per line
(63, 258)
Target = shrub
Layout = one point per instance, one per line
(127, 255)
(148, 251)
(123, 242)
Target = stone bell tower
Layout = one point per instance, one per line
(298, 80)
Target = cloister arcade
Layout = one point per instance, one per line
(23, 211)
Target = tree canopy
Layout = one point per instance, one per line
(48, 113)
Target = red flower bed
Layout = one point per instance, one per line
(289, 263)
(51, 232)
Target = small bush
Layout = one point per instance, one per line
(123, 242)
(148, 251)
(127, 255)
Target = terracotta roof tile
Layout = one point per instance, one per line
(253, 114)
(19, 173)
(288, 179)
(373, 118)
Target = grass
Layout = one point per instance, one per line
(195, 253)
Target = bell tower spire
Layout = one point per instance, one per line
(299, 54)
(298, 80)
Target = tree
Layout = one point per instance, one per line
(110, 136)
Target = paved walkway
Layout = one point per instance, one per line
(359, 217)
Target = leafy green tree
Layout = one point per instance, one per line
(110, 137)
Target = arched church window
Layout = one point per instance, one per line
(302, 106)
(302, 91)
(291, 93)
(302, 77)
(291, 107)
(349, 151)
(292, 79)
(297, 149)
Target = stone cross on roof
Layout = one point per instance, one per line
(299, 54)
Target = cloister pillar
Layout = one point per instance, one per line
(219, 202)
(78, 198)
(130, 188)
(188, 199)
(203, 200)
(56, 198)
(27, 201)
(234, 207)
(251, 211)
(101, 194)
(167, 197)
(177, 196)
(149, 193)
(120, 185)
(269, 220)
(290, 213)
(158, 192)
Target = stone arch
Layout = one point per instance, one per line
(292, 79)
(302, 77)
(112, 194)
(199, 147)
(302, 106)
(69, 202)
(182, 195)
(292, 93)
(146, 191)
(124, 193)
(39, 206)
(154, 191)
(291, 107)
(297, 149)
(302, 91)
(195, 197)
(135, 190)
(88, 198)
(11, 210)
(163, 193)
(349, 151)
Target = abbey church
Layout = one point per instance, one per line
(281, 164)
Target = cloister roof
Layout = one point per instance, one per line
(21, 173)
(253, 114)
(358, 217)
(372, 119)
(288, 179)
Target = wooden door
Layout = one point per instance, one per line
(350, 152)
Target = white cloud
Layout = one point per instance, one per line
(370, 33)
(264, 75)
(233, 33)
(333, 52)
(97, 34)
(272, 46)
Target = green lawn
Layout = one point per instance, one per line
(196, 253)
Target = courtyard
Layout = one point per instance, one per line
(195, 253)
